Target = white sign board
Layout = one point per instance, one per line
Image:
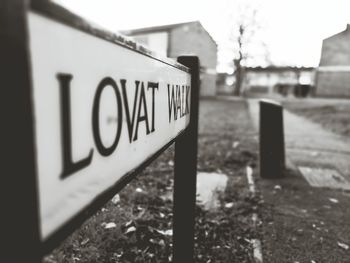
(100, 111)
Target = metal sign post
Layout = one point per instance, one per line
(19, 220)
(186, 174)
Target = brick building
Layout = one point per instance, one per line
(333, 73)
(183, 39)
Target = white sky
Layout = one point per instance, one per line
(293, 29)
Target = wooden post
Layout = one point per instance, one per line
(186, 174)
(19, 220)
(272, 156)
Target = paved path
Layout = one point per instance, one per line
(309, 144)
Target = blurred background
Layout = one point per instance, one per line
(251, 47)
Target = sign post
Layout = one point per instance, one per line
(272, 153)
(186, 174)
(19, 220)
(84, 111)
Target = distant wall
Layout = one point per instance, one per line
(333, 84)
(192, 39)
(336, 50)
(333, 74)
(157, 41)
(186, 39)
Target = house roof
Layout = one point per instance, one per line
(154, 29)
(347, 29)
(161, 28)
(278, 68)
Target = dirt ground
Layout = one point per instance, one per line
(332, 114)
(304, 224)
(136, 225)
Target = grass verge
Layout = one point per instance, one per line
(330, 113)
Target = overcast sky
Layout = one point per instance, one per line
(293, 29)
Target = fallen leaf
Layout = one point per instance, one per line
(235, 144)
(139, 208)
(85, 241)
(109, 225)
(277, 187)
(168, 232)
(343, 245)
(333, 200)
(130, 230)
(153, 241)
(116, 199)
(228, 205)
(127, 224)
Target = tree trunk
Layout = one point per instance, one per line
(239, 78)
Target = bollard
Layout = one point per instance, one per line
(272, 155)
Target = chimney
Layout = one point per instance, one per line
(348, 27)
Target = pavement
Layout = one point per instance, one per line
(301, 222)
(308, 144)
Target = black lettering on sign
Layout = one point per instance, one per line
(130, 121)
(187, 109)
(153, 86)
(171, 102)
(144, 117)
(103, 150)
(183, 101)
(135, 114)
(178, 101)
(69, 167)
(142, 106)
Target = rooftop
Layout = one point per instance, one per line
(154, 29)
(279, 68)
(346, 31)
(161, 28)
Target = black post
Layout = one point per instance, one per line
(19, 220)
(272, 156)
(186, 174)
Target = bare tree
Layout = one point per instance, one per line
(238, 61)
(244, 38)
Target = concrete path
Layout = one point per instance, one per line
(309, 144)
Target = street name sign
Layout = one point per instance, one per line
(99, 108)
(100, 111)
